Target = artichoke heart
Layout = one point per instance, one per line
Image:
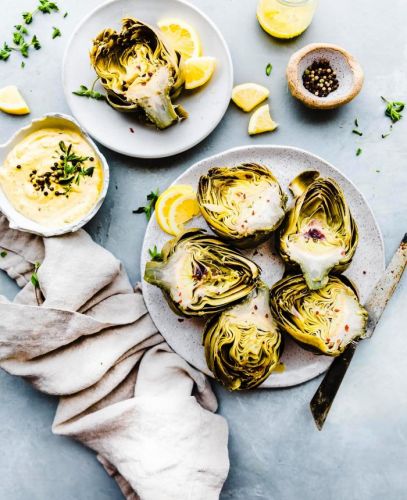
(139, 72)
(319, 234)
(325, 321)
(243, 344)
(243, 204)
(199, 274)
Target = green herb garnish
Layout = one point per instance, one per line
(269, 67)
(155, 254)
(72, 167)
(358, 152)
(357, 132)
(65, 15)
(90, 93)
(36, 282)
(151, 201)
(356, 123)
(56, 32)
(3, 254)
(393, 109)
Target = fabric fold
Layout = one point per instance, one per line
(123, 392)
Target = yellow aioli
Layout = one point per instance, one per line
(38, 152)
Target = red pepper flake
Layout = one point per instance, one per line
(267, 316)
(317, 312)
(337, 310)
(346, 328)
(253, 213)
(255, 307)
(180, 294)
(132, 130)
(343, 253)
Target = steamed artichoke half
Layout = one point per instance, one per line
(325, 321)
(200, 274)
(243, 204)
(319, 234)
(139, 72)
(243, 344)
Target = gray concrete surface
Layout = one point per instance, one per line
(276, 452)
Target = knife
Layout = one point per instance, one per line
(376, 303)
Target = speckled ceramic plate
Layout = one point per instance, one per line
(185, 336)
(121, 132)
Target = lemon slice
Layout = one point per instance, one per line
(283, 21)
(198, 71)
(182, 37)
(182, 209)
(261, 121)
(248, 95)
(165, 201)
(12, 102)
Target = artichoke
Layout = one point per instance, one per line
(243, 344)
(243, 204)
(139, 72)
(319, 234)
(325, 321)
(199, 274)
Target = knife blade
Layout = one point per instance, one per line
(376, 303)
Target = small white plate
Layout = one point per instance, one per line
(185, 335)
(205, 106)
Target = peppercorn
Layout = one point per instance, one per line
(320, 79)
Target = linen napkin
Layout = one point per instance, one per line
(85, 335)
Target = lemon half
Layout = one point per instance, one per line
(261, 121)
(182, 37)
(248, 95)
(12, 102)
(175, 206)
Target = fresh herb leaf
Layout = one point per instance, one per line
(56, 32)
(90, 93)
(393, 109)
(3, 254)
(34, 277)
(72, 167)
(35, 42)
(377, 171)
(269, 67)
(155, 254)
(357, 132)
(356, 123)
(5, 52)
(22, 64)
(65, 15)
(148, 209)
(386, 135)
(28, 17)
(47, 7)
(358, 152)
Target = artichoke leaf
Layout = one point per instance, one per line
(319, 234)
(242, 204)
(243, 344)
(200, 274)
(139, 72)
(324, 321)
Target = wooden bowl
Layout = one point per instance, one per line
(348, 72)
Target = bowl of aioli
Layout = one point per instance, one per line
(53, 178)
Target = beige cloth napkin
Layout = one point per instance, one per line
(123, 392)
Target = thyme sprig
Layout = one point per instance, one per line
(393, 109)
(149, 207)
(36, 282)
(44, 6)
(90, 93)
(72, 167)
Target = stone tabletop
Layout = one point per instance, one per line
(276, 452)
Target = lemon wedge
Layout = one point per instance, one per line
(261, 121)
(248, 95)
(182, 37)
(284, 21)
(170, 219)
(12, 102)
(198, 71)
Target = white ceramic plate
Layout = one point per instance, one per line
(18, 220)
(206, 106)
(185, 336)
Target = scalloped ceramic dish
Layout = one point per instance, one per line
(185, 335)
(19, 221)
(122, 132)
